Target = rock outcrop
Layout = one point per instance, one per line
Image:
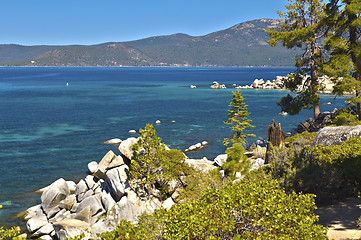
(197, 146)
(326, 84)
(329, 136)
(324, 119)
(216, 85)
(98, 202)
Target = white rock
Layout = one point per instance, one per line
(30, 212)
(220, 159)
(115, 186)
(44, 230)
(126, 147)
(123, 172)
(204, 143)
(56, 192)
(198, 145)
(45, 237)
(158, 122)
(117, 161)
(107, 200)
(113, 141)
(168, 203)
(191, 148)
(69, 228)
(92, 166)
(68, 202)
(151, 204)
(200, 164)
(256, 163)
(93, 201)
(36, 223)
(90, 181)
(72, 186)
(104, 164)
(100, 227)
(132, 131)
(81, 188)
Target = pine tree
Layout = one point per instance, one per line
(237, 118)
(301, 27)
(343, 43)
(153, 164)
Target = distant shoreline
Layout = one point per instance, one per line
(178, 67)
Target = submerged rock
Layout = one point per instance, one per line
(113, 141)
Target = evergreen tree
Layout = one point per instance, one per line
(301, 27)
(153, 164)
(343, 43)
(237, 118)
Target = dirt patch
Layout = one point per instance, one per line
(341, 219)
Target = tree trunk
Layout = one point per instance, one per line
(314, 80)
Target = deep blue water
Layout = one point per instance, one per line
(50, 130)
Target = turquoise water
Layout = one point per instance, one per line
(49, 129)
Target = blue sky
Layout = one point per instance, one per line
(59, 22)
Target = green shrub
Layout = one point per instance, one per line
(329, 172)
(346, 157)
(236, 160)
(303, 139)
(9, 233)
(344, 118)
(149, 227)
(245, 210)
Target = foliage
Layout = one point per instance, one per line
(344, 117)
(245, 210)
(9, 233)
(304, 138)
(329, 172)
(149, 227)
(344, 46)
(302, 28)
(258, 152)
(152, 164)
(198, 182)
(346, 156)
(237, 118)
(236, 160)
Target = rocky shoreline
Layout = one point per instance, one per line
(325, 82)
(98, 202)
(103, 198)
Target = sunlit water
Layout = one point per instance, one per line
(49, 129)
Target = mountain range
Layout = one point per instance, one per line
(244, 44)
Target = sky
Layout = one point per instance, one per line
(65, 22)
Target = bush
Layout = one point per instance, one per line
(9, 233)
(345, 157)
(329, 172)
(301, 139)
(248, 209)
(149, 227)
(245, 210)
(344, 118)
